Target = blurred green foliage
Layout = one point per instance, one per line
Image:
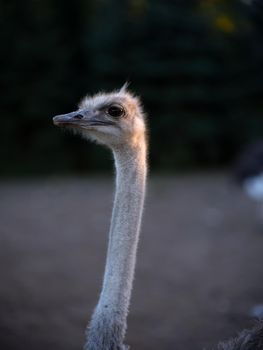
(196, 64)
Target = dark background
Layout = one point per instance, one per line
(198, 66)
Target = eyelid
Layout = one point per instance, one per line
(115, 105)
(107, 106)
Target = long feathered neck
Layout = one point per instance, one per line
(108, 324)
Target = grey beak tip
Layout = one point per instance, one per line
(55, 120)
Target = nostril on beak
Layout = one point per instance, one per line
(78, 116)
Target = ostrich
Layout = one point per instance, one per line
(117, 121)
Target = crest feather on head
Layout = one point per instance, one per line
(124, 88)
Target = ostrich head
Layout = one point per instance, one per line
(112, 119)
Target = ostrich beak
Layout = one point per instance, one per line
(80, 119)
(70, 119)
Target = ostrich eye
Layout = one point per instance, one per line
(115, 111)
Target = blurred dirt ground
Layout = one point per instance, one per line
(199, 271)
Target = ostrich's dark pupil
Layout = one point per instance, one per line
(115, 111)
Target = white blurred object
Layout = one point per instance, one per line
(248, 173)
(254, 187)
(257, 311)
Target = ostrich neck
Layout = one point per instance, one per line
(108, 325)
(125, 225)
